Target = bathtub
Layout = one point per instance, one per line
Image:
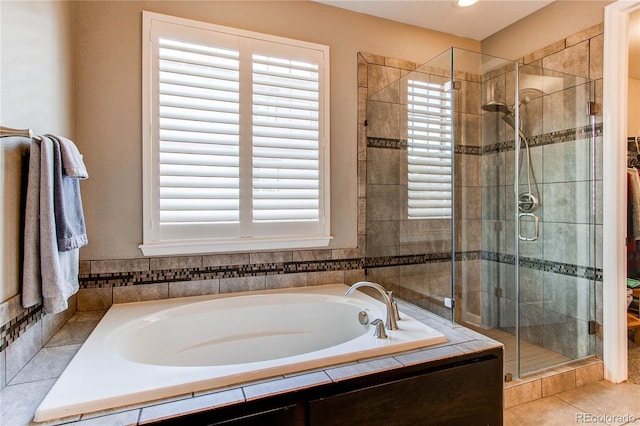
(145, 351)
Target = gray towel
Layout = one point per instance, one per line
(31, 280)
(57, 270)
(67, 204)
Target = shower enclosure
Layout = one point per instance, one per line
(481, 202)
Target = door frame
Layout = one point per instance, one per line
(614, 198)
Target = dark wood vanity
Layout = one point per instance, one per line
(456, 390)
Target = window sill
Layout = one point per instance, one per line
(228, 246)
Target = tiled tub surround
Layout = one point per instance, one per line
(242, 337)
(22, 395)
(105, 282)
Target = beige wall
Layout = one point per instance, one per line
(36, 92)
(557, 21)
(108, 110)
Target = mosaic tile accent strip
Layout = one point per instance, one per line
(525, 262)
(468, 149)
(215, 272)
(499, 147)
(586, 272)
(239, 271)
(567, 135)
(400, 144)
(416, 259)
(10, 331)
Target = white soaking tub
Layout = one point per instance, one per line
(150, 350)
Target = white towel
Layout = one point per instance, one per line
(71, 158)
(58, 269)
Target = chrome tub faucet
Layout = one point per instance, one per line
(392, 310)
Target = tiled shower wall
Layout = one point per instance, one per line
(558, 271)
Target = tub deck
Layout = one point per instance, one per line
(461, 342)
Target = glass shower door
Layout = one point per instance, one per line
(538, 221)
(555, 222)
(409, 184)
(480, 183)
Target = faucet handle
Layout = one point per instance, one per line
(378, 329)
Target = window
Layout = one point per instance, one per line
(236, 150)
(429, 149)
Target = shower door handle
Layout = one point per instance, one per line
(536, 222)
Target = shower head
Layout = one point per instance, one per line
(508, 115)
(494, 106)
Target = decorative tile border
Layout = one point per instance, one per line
(567, 135)
(468, 150)
(10, 331)
(400, 144)
(240, 271)
(578, 271)
(525, 262)
(119, 279)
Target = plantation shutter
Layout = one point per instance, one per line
(285, 140)
(235, 128)
(198, 134)
(429, 150)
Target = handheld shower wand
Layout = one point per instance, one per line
(527, 201)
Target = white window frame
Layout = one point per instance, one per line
(264, 236)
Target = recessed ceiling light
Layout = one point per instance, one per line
(465, 3)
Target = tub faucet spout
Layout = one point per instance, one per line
(391, 323)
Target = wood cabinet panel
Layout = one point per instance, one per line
(461, 395)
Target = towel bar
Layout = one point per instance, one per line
(7, 131)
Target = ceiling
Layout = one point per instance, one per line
(476, 22)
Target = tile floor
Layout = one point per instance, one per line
(533, 357)
(599, 403)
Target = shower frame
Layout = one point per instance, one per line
(467, 301)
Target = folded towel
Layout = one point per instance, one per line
(71, 158)
(67, 204)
